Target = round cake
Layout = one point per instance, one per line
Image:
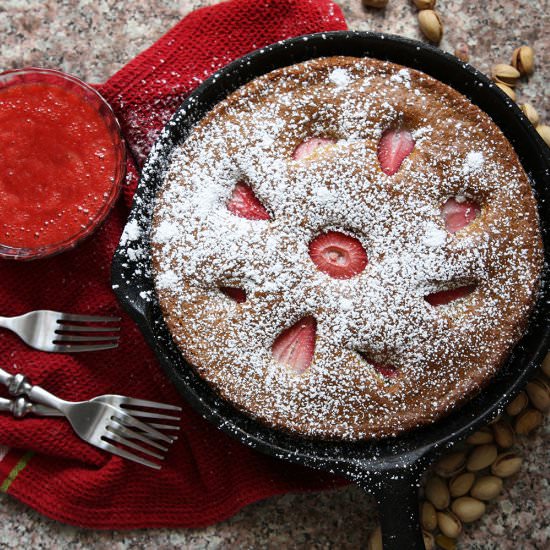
(346, 248)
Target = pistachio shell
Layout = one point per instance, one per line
(530, 112)
(518, 404)
(507, 90)
(480, 437)
(424, 4)
(375, 539)
(539, 394)
(445, 542)
(461, 484)
(546, 364)
(527, 421)
(504, 434)
(505, 74)
(375, 3)
(506, 465)
(523, 59)
(430, 25)
(428, 517)
(449, 524)
(544, 132)
(429, 541)
(437, 493)
(481, 457)
(468, 509)
(487, 487)
(450, 464)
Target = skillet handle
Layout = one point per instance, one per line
(396, 493)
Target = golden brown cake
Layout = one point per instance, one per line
(346, 248)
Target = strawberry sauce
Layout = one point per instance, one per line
(57, 164)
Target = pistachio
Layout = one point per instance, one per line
(375, 539)
(451, 464)
(507, 90)
(505, 74)
(481, 457)
(506, 465)
(429, 541)
(437, 493)
(430, 25)
(461, 484)
(445, 542)
(544, 132)
(523, 59)
(424, 4)
(375, 3)
(504, 434)
(530, 112)
(539, 394)
(468, 509)
(480, 437)
(449, 524)
(527, 421)
(518, 404)
(546, 364)
(487, 487)
(428, 517)
(463, 53)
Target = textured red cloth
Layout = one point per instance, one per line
(207, 475)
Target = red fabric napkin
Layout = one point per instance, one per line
(207, 476)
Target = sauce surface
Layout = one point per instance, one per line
(57, 164)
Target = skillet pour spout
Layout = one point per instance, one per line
(391, 468)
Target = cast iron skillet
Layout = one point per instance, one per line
(391, 468)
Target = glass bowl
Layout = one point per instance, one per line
(72, 84)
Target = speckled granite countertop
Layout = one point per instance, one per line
(93, 40)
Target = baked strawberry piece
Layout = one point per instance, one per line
(294, 347)
(394, 147)
(338, 255)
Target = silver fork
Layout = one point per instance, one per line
(103, 425)
(22, 406)
(53, 331)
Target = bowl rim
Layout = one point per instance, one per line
(114, 129)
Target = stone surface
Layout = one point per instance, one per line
(93, 39)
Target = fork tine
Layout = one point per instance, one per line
(84, 328)
(126, 454)
(166, 427)
(113, 436)
(128, 420)
(123, 431)
(69, 338)
(86, 318)
(131, 402)
(147, 414)
(74, 349)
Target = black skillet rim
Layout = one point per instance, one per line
(349, 458)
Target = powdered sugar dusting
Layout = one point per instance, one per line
(379, 315)
(474, 162)
(340, 77)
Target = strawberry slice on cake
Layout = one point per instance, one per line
(394, 147)
(245, 204)
(338, 254)
(294, 347)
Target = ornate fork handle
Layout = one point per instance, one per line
(19, 384)
(21, 406)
